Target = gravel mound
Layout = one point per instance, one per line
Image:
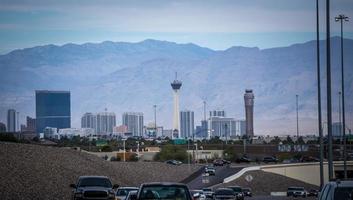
(263, 183)
(44, 172)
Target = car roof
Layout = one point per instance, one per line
(124, 188)
(163, 183)
(234, 186)
(93, 177)
(341, 183)
(224, 189)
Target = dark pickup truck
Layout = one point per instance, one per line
(161, 190)
(93, 187)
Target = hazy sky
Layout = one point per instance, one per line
(217, 24)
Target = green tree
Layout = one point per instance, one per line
(172, 152)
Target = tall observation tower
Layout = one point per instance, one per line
(176, 85)
(249, 112)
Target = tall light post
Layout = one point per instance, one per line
(321, 141)
(342, 18)
(296, 103)
(226, 128)
(328, 85)
(155, 119)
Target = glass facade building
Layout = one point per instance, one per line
(53, 109)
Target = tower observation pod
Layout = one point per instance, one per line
(176, 85)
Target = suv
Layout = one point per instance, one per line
(93, 187)
(339, 190)
(224, 193)
(208, 193)
(238, 192)
(270, 159)
(163, 191)
(220, 162)
(296, 192)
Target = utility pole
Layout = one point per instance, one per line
(328, 85)
(296, 98)
(226, 128)
(343, 18)
(321, 141)
(155, 119)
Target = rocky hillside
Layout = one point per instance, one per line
(41, 172)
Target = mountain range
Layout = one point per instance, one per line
(123, 77)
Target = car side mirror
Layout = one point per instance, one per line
(115, 186)
(73, 185)
(133, 196)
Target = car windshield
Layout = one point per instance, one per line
(124, 192)
(224, 192)
(95, 182)
(207, 190)
(236, 189)
(296, 188)
(164, 192)
(343, 193)
(246, 190)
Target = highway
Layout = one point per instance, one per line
(222, 172)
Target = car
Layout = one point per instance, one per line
(224, 193)
(309, 159)
(238, 192)
(244, 158)
(198, 194)
(296, 192)
(132, 195)
(270, 159)
(163, 190)
(337, 190)
(208, 193)
(122, 192)
(173, 162)
(220, 162)
(93, 187)
(247, 192)
(211, 171)
(313, 193)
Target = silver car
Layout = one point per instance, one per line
(123, 192)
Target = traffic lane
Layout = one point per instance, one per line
(222, 172)
(277, 198)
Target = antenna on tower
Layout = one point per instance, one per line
(176, 75)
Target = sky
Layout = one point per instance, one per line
(216, 24)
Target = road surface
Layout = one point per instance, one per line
(222, 172)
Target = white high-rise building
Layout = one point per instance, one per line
(105, 123)
(187, 124)
(89, 120)
(11, 120)
(176, 85)
(134, 123)
(222, 127)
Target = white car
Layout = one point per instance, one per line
(123, 192)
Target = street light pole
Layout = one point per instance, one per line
(155, 119)
(226, 128)
(296, 98)
(328, 84)
(343, 18)
(319, 97)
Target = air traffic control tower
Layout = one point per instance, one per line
(249, 112)
(176, 85)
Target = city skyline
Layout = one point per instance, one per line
(115, 81)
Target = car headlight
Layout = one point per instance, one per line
(111, 193)
(79, 194)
